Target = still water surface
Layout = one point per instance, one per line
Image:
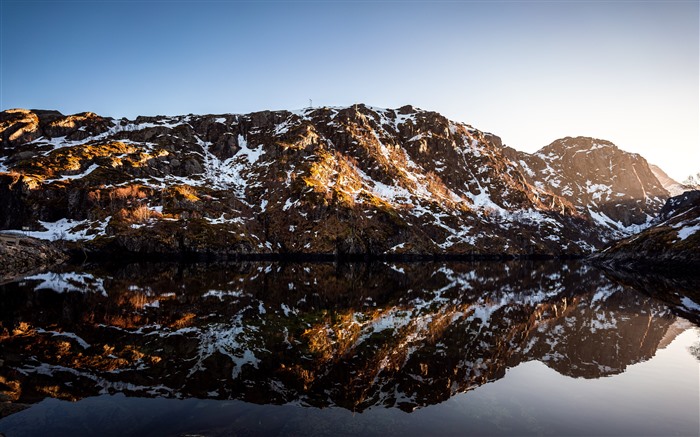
(520, 348)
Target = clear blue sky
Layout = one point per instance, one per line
(530, 72)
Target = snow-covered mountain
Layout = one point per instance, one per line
(353, 180)
(616, 189)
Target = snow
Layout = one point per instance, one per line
(288, 204)
(597, 190)
(222, 220)
(483, 201)
(603, 219)
(688, 231)
(283, 127)
(229, 174)
(397, 247)
(221, 293)
(65, 229)
(252, 155)
(90, 169)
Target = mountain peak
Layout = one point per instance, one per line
(579, 143)
(615, 188)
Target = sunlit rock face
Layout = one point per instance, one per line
(354, 336)
(616, 189)
(354, 180)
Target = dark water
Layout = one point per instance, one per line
(518, 348)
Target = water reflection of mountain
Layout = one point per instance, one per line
(353, 336)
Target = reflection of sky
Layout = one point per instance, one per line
(658, 397)
(528, 71)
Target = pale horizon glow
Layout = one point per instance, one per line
(529, 72)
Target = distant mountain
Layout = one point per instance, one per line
(671, 244)
(673, 187)
(692, 181)
(343, 181)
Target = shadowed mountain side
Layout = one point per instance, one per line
(338, 181)
(354, 336)
(671, 245)
(680, 293)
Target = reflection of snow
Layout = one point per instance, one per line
(690, 304)
(229, 340)
(70, 335)
(68, 282)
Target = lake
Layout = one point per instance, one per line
(478, 348)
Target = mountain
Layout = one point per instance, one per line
(616, 189)
(343, 181)
(671, 244)
(673, 187)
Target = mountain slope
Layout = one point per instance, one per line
(614, 188)
(355, 180)
(672, 243)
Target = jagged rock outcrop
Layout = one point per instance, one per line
(672, 244)
(343, 181)
(614, 188)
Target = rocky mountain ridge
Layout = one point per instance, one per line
(344, 181)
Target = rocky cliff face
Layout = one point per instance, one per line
(613, 188)
(672, 243)
(355, 180)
